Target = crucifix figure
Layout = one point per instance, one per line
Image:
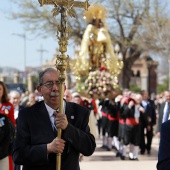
(68, 4)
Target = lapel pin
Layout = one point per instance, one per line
(72, 117)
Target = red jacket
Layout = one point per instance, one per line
(8, 109)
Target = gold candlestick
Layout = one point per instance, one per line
(63, 7)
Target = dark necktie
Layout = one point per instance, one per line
(54, 125)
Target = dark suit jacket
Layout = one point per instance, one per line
(160, 113)
(150, 111)
(34, 131)
(19, 109)
(164, 147)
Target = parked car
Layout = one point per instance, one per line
(20, 87)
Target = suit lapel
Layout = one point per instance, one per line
(45, 121)
(69, 113)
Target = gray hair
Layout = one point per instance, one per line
(14, 92)
(41, 74)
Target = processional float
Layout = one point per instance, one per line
(64, 8)
(101, 62)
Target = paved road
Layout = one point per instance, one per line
(106, 160)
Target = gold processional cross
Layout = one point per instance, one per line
(64, 7)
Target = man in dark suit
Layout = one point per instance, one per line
(36, 143)
(15, 100)
(162, 110)
(150, 111)
(164, 147)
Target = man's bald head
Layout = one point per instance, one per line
(68, 95)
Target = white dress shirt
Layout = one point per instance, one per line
(164, 113)
(51, 115)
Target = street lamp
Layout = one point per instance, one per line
(24, 38)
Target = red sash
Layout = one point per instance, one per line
(112, 118)
(104, 114)
(131, 121)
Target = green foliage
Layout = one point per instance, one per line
(135, 88)
(35, 81)
(164, 86)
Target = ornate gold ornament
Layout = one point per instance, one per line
(63, 7)
(95, 11)
(67, 4)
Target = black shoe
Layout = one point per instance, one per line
(122, 157)
(133, 159)
(108, 149)
(148, 151)
(118, 154)
(142, 152)
(103, 147)
(113, 147)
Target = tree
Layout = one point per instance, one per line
(163, 87)
(39, 20)
(155, 38)
(129, 22)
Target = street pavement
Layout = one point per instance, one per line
(106, 160)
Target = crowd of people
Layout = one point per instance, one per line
(126, 121)
(123, 120)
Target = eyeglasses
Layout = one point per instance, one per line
(50, 84)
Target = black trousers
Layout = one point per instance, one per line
(146, 144)
(99, 125)
(149, 136)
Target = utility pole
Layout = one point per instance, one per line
(41, 50)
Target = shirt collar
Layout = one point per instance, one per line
(167, 103)
(144, 102)
(49, 109)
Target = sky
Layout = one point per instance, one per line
(13, 51)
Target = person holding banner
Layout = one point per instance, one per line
(36, 143)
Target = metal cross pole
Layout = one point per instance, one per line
(64, 7)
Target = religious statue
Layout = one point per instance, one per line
(96, 44)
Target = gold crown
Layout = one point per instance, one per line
(95, 11)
